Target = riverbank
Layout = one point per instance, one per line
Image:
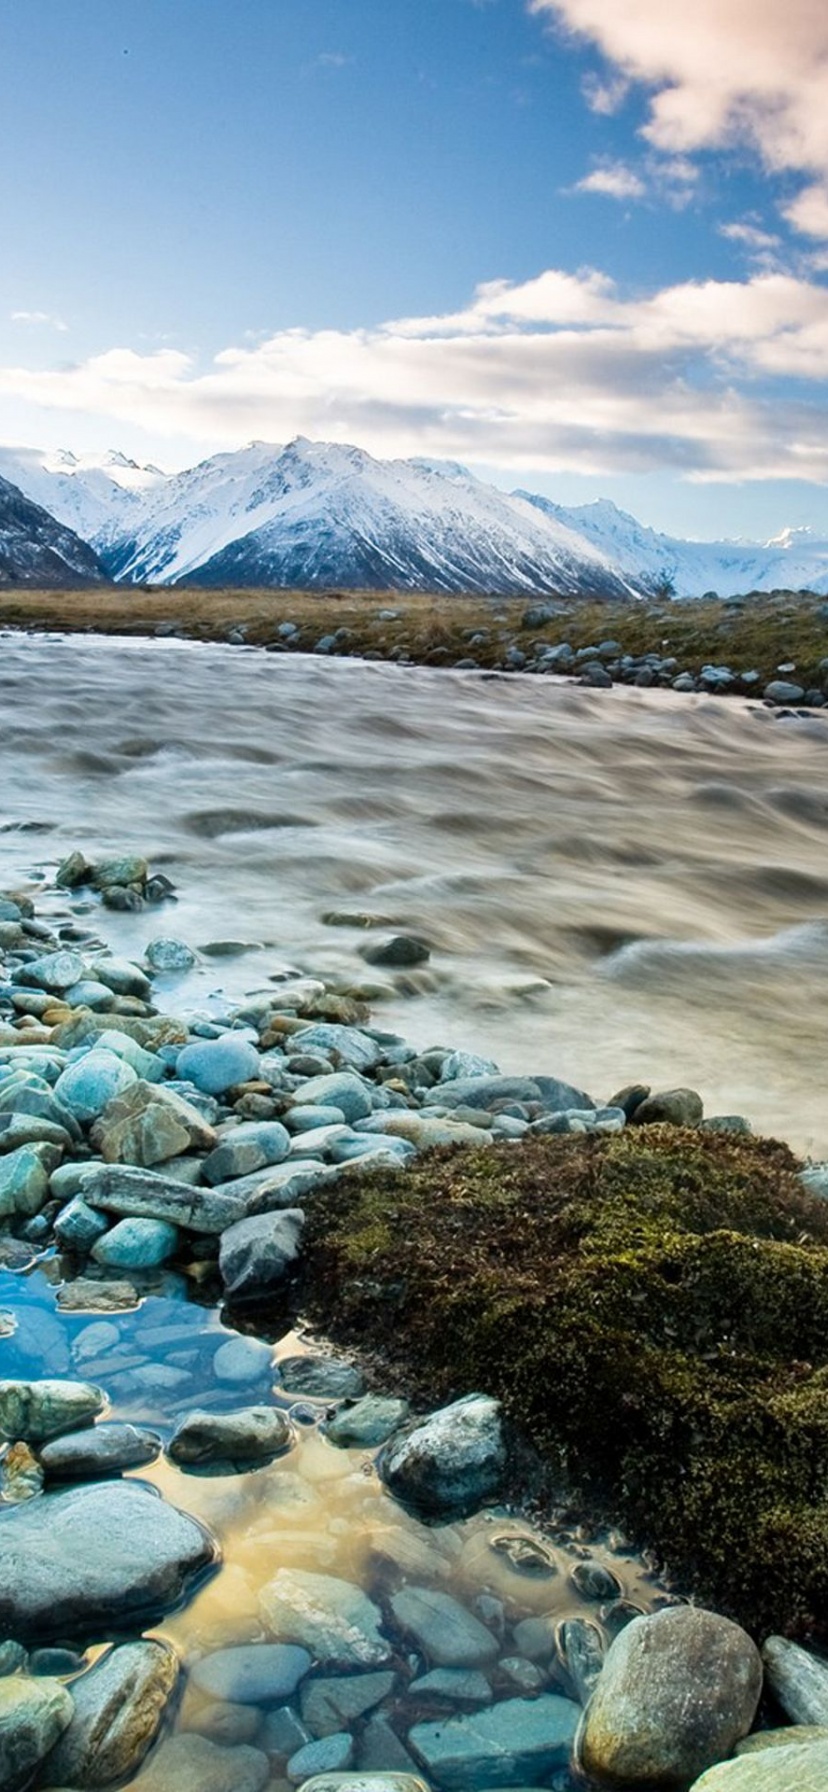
(734, 646)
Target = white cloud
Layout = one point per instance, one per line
(614, 180)
(751, 236)
(560, 372)
(38, 317)
(723, 72)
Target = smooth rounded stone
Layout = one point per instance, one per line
(685, 682)
(240, 1361)
(252, 1673)
(191, 1763)
(594, 1581)
(332, 1705)
(90, 994)
(122, 977)
(215, 1065)
(57, 1663)
(781, 690)
(332, 1618)
(355, 1048)
(524, 1554)
(676, 1107)
(21, 1476)
(252, 1145)
(307, 1118)
(339, 1089)
(87, 1086)
(148, 1125)
(488, 1091)
(320, 1142)
(536, 1638)
(127, 868)
(99, 1450)
(78, 1227)
(797, 1679)
(401, 952)
(676, 1693)
(425, 1131)
(466, 1064)
(282, 1733)
(30, 1129)
(518, 1742)
(792, 1735)
(55, 971)
(448, 1635)
(12, 1657)
(523, 1675)
(34, 1411)
(226, 1723)
(71, 1559)
(119, 1707)
(33, 1715)
(169, 955)
(461, 1686)
(366, 1423)
(800, 1768)
(815, 1180)
(451, 1461)
(581, 1647)
(729, 1123)
(320, 1377)
(137, 1244)
(330, 1754)
(150, 1194)
(256, 1253)
(149, 1067)
(253, 1435)
(24, 1178)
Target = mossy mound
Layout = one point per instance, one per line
(651, 1308)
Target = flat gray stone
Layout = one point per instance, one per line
(519, 1742)
(252, 1435)
(97, 1451)
(71, 1559)
(146, 1194)
(320, 1377)
(330, 1754)
(797, 1679)
(33, 1411)
(33, 1715)
(334, 1704)
(119, 1707)
(189, 1763)
(367, 1422)
(332, 1618)
(448, 1635)
(252, 1673)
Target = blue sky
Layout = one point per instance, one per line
(580, 245)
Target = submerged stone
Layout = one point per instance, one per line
(252, 1673)
(33, 1714)
(451, 1461)
(119, 1705)
(252, 1435)
(37, 1410)
(519, 1742)
(332, 1618)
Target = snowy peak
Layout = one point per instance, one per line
(37, 550)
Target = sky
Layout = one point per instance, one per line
(580, 246)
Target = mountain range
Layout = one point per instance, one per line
(320, 515)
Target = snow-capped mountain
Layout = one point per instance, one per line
(37, 550)
(321, 515)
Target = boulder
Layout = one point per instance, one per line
(148, 1124)
(98, 1450)
(256, 1253)
(675, 1107)
(449, 1462)
(147, 1194)
(252, 1435)
(798, 1768)
(119, 1707)
(37, 1410)
(216, 1065)
(89, 1085)
(797, 1679)
(33, 1714)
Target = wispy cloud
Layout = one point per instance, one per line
(40, 318)
(722, 73)
(561, 372)
(333, 59)
(615, 180)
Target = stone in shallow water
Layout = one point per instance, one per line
(448, 1635)
(70, 1559)
(800, 1768)
(463, 1686)
(99, 1450)
(516, 1743)
(797, 1679)
(330, 1754)
(33, 1714)
(332, 1618)
(335, 1704)
(119, 1706)
(241, 1360)
(676, 1693)
(367, 1422)
(169, 955)
(256, 1253)
(451, 1461)
(38, 1410)
(324, 1377)
(191, 1763)
(252, 1673)
(253, 1435)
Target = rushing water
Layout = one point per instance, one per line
(623, 886)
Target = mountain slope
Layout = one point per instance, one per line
(37, 550)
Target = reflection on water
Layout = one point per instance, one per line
(316, 1508)
(624, 886)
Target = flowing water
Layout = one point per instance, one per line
(615, 887)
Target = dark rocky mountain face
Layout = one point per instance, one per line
(37, 550)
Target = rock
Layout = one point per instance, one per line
(461, 1686)
(188, 1763)
(253, 1145)
(792, 1735)
(24, 1178)
(799, 1768)
(37, 1410)
(148, 1194)
(124, 978)
(282, 1732)
(447, 1634)
(21, 1476)
(355, 1048)
(518, 1742)
(229, 1724)
(215, 1065)
(148, 1125)
(256, 1254)
(400, 952)
(55, 971)
(70, 1559)
(489, 1091)
(242, 1360)
(366, 1422)
(676, 1693)
(581, 1645)
(128, 869)
(676, 1107)
(340, 1089)
(321, 1377)
(451, 1461)
(30, 1129)
(169, 955)
(88, 1086)
(252, 1435)
(137, 1244)
(252, 1673)
(99, 1450)
(797, 1679)
(330, 1705)
(87, 1296)
(119, 1706)
(525, 1555)
(78, 1227)
(594, 1581)
(33, 1714)
(380, 1752)
(331, 1754)
(335, 1620)
(781, 690)
(536, 1638)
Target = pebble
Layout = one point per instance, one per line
(137, 1244)
(216, 1065)
(252, 1673)
(254, 1434)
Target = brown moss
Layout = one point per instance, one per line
(652, 1308)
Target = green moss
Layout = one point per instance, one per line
(652, 1308)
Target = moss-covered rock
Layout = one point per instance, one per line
(651, 1308)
